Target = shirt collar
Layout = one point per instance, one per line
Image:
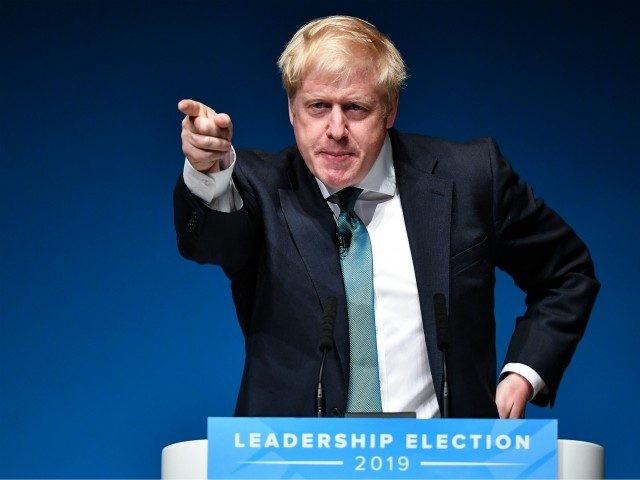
(379, 183)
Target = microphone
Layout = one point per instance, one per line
(325, 345)
(442, 336)
(343, 241)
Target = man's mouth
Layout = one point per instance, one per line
(337, 155)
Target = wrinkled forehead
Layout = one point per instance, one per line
(341, 76)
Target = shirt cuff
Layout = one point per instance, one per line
(209, 186)
(528, 373)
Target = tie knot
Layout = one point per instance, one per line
(346, 198)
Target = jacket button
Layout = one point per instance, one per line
(192, 224)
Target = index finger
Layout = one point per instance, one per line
(194, 109)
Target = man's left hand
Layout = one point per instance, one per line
(512, 395)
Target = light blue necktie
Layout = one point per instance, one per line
(357, 271)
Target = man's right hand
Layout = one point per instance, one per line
(206, 135)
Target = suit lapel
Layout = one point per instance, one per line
(313, 228)
(426, 205)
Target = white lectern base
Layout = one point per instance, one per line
(576, 460)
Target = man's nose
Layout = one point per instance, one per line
(337, 128)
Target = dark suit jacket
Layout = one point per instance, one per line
(465, 212)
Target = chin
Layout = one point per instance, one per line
(337, 178)
(336, 182)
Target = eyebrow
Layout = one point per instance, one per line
(365, 99)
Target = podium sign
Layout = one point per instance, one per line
(382, 448)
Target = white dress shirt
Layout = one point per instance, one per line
(406, 384)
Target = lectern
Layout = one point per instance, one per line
(384, 449)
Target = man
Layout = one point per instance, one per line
(439, 217)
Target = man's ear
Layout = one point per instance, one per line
(289, 100)
(393, 112)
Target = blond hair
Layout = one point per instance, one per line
(342, 46)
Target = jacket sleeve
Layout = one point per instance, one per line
(209, 236)
(552, 266)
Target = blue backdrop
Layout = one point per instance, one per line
(112, 346)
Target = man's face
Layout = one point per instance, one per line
(340, 127)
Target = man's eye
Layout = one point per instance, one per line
(355, 111)
(318, 105)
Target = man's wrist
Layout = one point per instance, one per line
(528, 373)
(212, 184)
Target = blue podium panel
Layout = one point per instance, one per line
(381, 448)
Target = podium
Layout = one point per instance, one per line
(235, 444)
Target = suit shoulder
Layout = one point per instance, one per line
(265, 167)
(448, 158)
(258, 159)
(443, 148)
